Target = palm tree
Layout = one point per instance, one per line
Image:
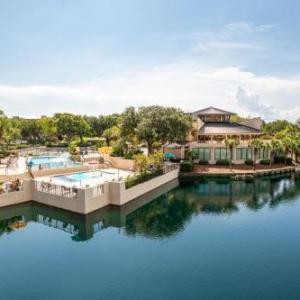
(287, 143)
(231, 143)
(275, 146)
(255, 145)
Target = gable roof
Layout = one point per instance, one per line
(212, 111)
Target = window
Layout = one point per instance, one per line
(222, 153)
(203, 153)
(263, 153)
(243, 153)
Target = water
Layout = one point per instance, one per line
(207, 240)
(86, 175)
(52, 162)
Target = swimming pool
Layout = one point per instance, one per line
(87, 178)
(51, 162)
(77, 177)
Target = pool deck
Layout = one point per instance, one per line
(86, 182)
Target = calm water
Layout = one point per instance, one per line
(205, 240)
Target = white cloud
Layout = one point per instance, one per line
(190, 82)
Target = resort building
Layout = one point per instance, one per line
(213, 125)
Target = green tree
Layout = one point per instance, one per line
(111, 134)
(231, 143)
(4, 125)
(287, 143)
(275, 147)
(159, 124)
(129, 122)
(48, 128)
(255, 145)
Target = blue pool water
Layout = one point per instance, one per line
(51, 162)
(77, 177)
(213, 239)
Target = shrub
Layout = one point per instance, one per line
(249, 162)
(279, 159)
(186, 166)
(117, 152)
(265, 162)
(289, 161)
(203, 162)
(140, 178)
(131, 153)
(222, 162)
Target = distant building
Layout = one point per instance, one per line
(214, 125)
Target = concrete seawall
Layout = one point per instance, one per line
(85, 200)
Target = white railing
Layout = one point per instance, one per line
(98, 190)
(54, 189)
(170, 168)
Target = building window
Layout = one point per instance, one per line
(263, 153)
(243, 153)
(222, 153)
(203, 153)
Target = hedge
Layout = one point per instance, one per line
(249, 162)
(203, 162)
(140, 178)
(265, 162)
(222, 162)
(186, 166)
(280, 159)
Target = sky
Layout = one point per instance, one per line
(100, 56)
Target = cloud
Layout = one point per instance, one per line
(188, 81)
(184, 84)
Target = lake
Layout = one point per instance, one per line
(208, 239)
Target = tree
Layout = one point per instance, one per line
(162, 124)
(255, 145)
(141, 162)
(231, 143)
(4, 125)
(287, 143)
(275, 126)
(47, 128)
(31, 131)
(70, 126)
(111, 134)
(129, 122)
(275, 146)
(81, 127)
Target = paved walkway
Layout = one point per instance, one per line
(238, 169)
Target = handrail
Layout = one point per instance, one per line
(54, 189)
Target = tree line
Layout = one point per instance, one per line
(152, 126)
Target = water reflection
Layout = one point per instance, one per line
(162, 214)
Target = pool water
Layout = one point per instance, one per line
(213, 239)
(51, 162)
(76, 177)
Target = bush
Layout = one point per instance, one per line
(117, 152)
(279, 159)
(203, 162)
(265, 162)
(186, 166)
(249, 162)
(131, 153)
(289, 161)
(140, 178)
(222, 162)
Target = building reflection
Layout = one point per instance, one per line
(161, 214)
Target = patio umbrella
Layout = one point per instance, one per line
(169, 155)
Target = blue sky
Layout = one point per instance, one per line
(97, 57)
